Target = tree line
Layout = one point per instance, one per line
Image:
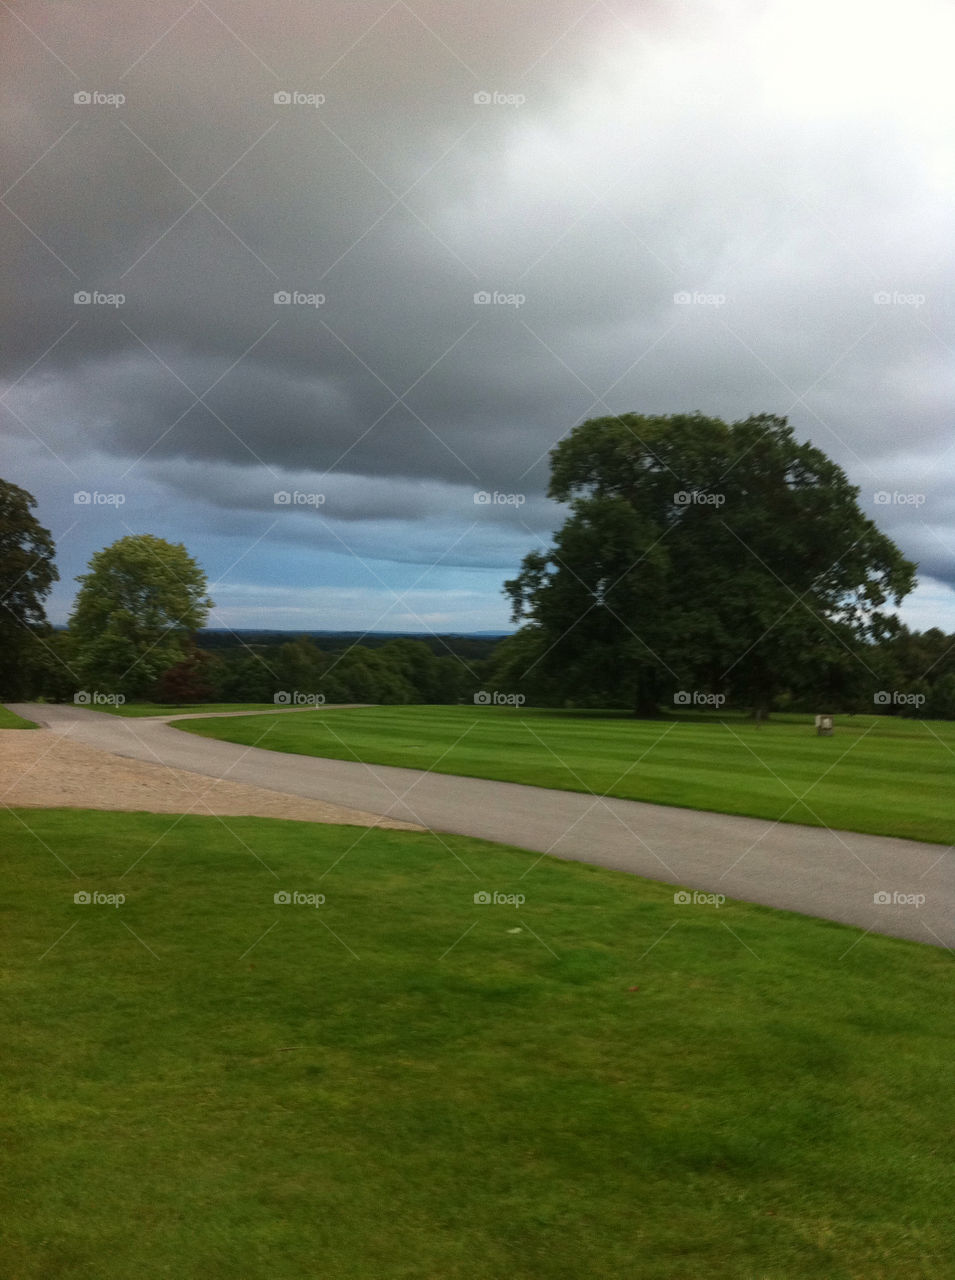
(703, 565)
(135, 625)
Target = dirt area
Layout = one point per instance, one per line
(42, 769)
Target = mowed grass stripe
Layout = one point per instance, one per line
(877, 775)
(598, 1082)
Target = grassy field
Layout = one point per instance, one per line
(10, 721)
(399, 1082)
(875, 774)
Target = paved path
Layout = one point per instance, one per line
(833, 874)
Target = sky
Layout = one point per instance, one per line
(315, 287)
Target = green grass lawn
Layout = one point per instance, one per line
(875, 774)
(10, 721)
(400, 1083)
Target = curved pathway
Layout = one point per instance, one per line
(812, 870)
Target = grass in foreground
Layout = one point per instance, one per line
(10, 721)
(401, 1083)
(875, 774)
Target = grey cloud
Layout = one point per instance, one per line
(612, 189)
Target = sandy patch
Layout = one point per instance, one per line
(42, 769)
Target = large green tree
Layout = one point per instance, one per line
(703, 557)
(135, 612)
(27, 573)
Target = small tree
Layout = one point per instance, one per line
(191, 680)
(27, 573)
(134, 613)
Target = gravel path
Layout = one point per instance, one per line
(898, 887)
(45, 769)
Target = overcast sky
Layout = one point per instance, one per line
(731, 207)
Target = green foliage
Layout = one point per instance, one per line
(134, 612)
(701, 555)
(941, 700)
(27, 573)
(57, 677)
(400, 671)
(517, 665)
(247, 677)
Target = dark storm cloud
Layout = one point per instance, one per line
(646, 165)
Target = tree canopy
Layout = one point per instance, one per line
(703, 558)
(27, 573)
(134, 614)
